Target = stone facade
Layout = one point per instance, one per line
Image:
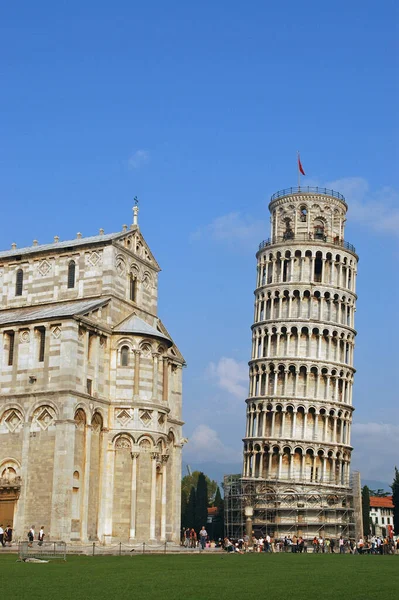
(91, 393)
(299, 410)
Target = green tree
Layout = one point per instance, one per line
(191, 509)
(189, 481)
(184, 503)
(218, 521)
(380, 493)
(395, 500)
(366, 510)
(201, 502)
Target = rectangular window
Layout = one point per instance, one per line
(42, 343)
(89, 386)
(11, 342)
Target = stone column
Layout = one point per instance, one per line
(155, 356)
(154, 458)
(273, 423)
(107, 490)
(269, 466)
(280, 463)
(86, 483)
(163, 498)
(62, 472)
(261, 464)
(20, 518)
(283, 423)
(133, 500)
(136, 373)
(293, 424)
(165, 381)
(324, 469)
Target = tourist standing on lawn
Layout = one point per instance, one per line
(41, 536)
(203, 534)
(31, 535)
(2, 542)
(8, 535)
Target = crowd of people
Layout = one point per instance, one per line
(294, 544)
(7, 533)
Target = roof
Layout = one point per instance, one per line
(135, 325)
(213, 511)
(377, 502)
(49, 311)
(60, 245)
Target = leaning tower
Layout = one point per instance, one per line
(297, 447)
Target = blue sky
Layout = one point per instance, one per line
(199, 109)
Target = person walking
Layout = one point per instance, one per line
(41, 536)
(2, 541)
(8, 535)
(31, 535)
(203, 534)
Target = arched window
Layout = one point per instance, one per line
(319, 233)
(125, 356)
(19, 282)
(303, 213)
(71, 274)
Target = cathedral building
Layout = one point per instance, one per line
(90, 393)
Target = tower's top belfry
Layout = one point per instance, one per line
(306, 213)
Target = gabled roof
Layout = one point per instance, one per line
(49, 311)
(135, 325)
(377, 502)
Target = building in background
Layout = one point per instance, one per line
(90, 392)
(297, 446)
(381, 515)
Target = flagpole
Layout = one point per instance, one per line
(297, 166)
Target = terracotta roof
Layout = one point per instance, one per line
(376, 502)
(213, 511)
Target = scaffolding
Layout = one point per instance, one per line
(286, 508)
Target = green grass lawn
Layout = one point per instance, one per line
(216, 576)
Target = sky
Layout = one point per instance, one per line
(198, 109)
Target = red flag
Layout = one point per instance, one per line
(300, 167)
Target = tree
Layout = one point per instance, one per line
(190, 481)
(218, 521)
(201, 502)
(184, 503)
(380, 493)
(395, 501)
(366, 510)
(191, 509)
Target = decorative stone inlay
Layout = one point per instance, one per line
(146, 281)
(12, 419)
(123, 416)
(146, 417)
(56, 332)
(146, 351)
(93, 258)
(24, 336)
(120, 265)
(145, 445)
(161, 419)
(44, 268)
(44, 417)
(123, 443)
